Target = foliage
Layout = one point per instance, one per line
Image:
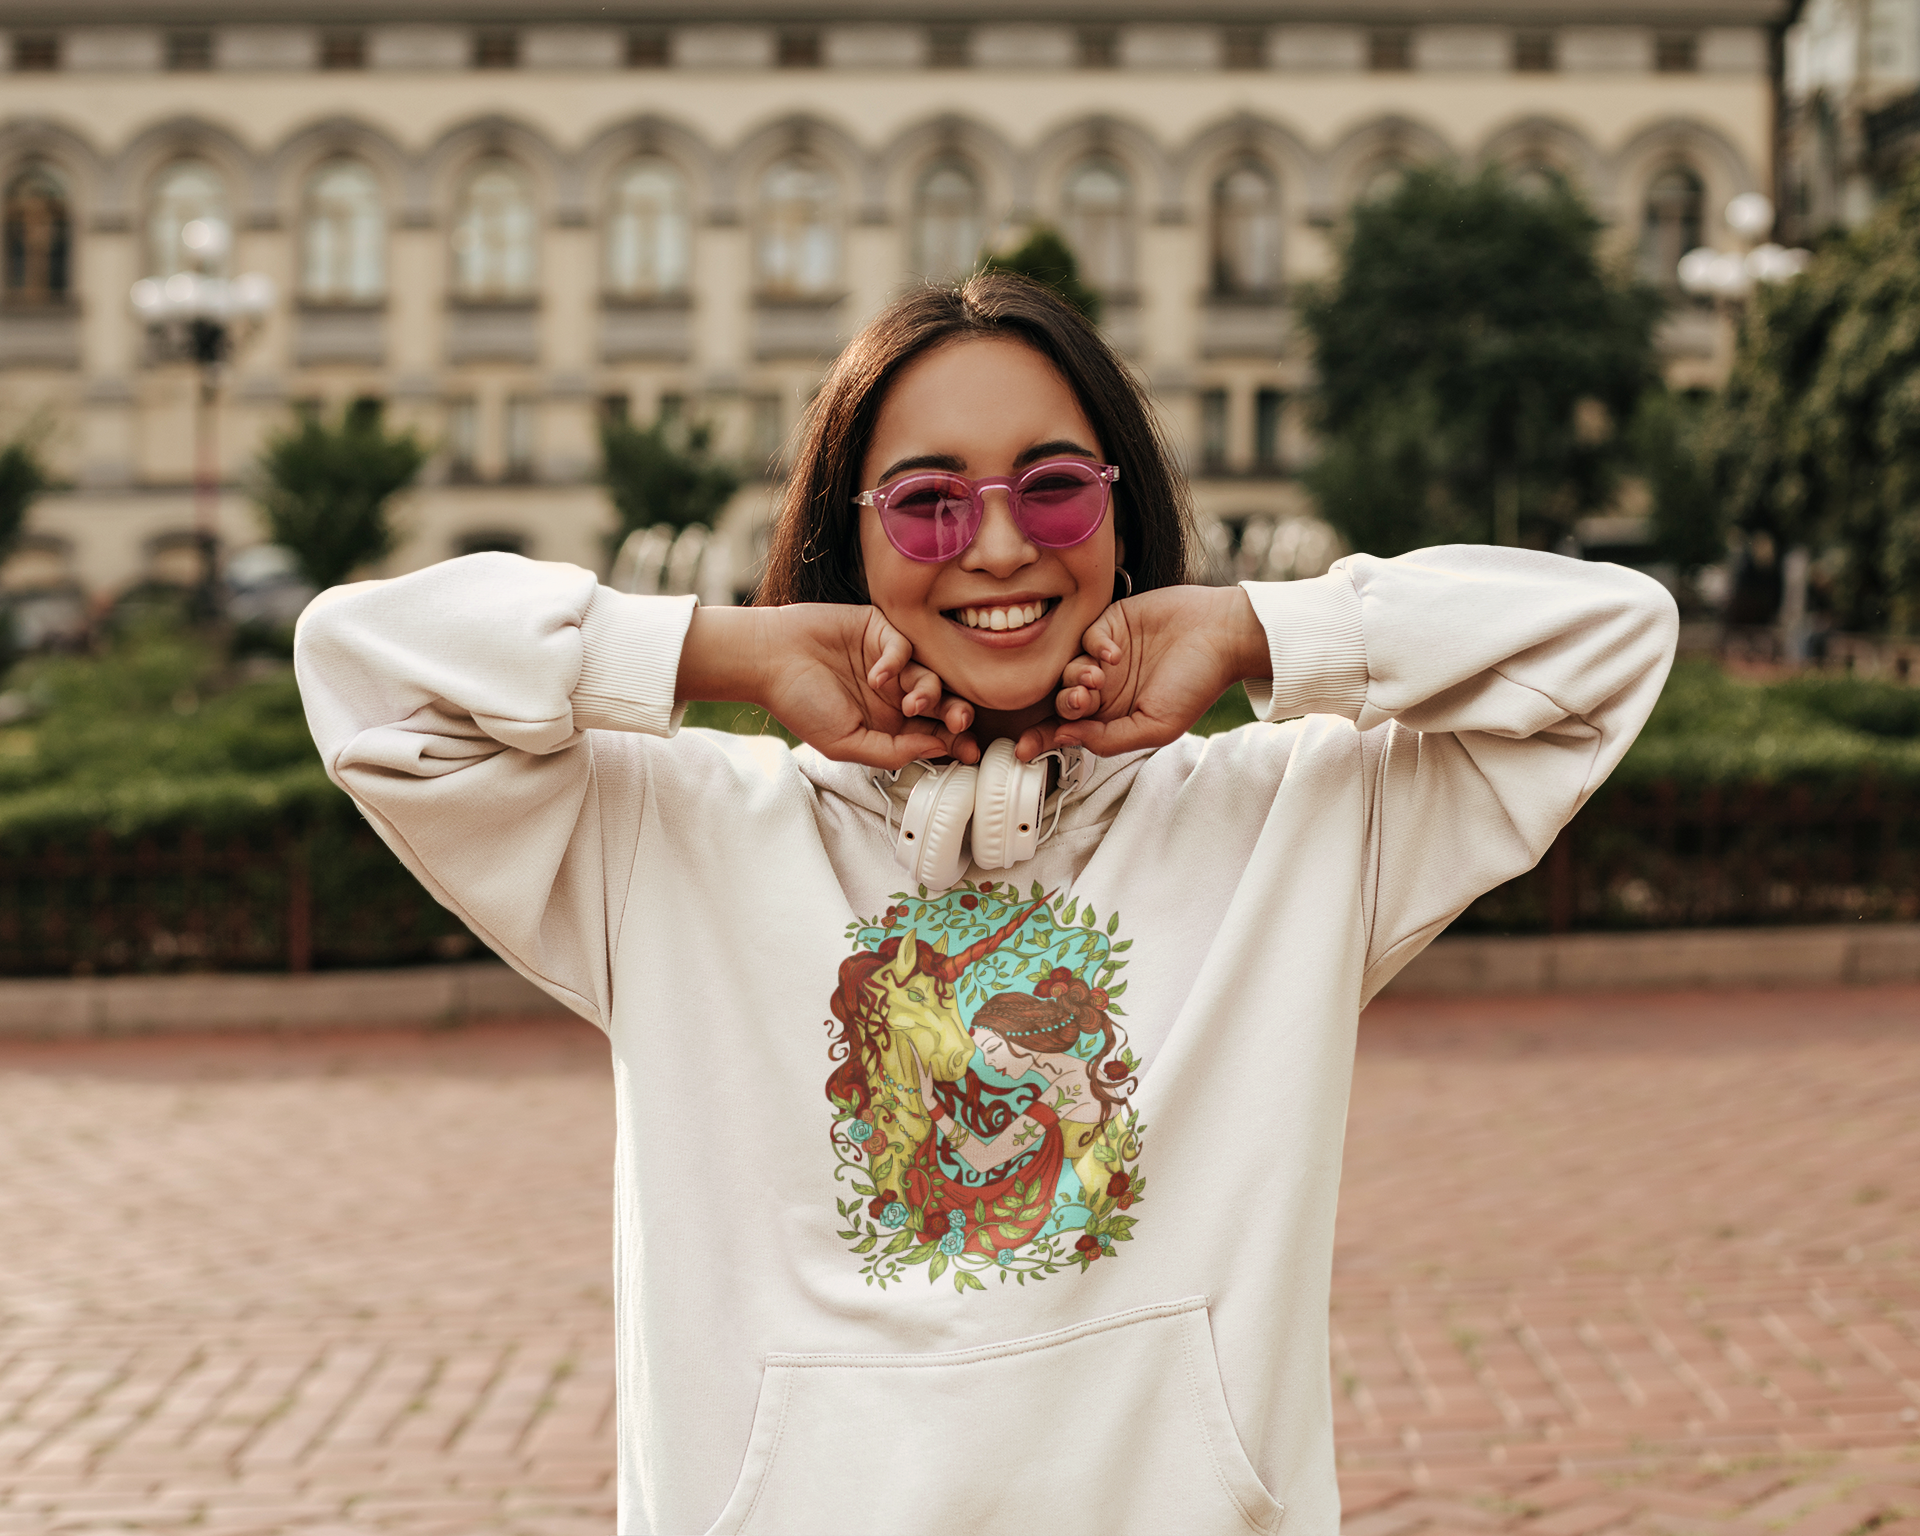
(1666, 441)
(157, 733)
(664, 473)
(1709, 728)
(1816, 440)
(1046, 257)
(22, 479)
(327, 485)
(1475, 357)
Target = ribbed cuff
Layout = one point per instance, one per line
(630, 659)
(1319, 654)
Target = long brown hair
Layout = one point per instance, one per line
(815, 553)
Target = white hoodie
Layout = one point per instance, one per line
(1085, 1289)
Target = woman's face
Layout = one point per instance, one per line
(987, 408)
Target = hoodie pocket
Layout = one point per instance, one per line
(1117, 1426)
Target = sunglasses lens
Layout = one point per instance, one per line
(928, 517)
(1061, 504)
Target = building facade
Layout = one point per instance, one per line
(504, 228)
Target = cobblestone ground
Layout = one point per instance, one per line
(1636, 1264)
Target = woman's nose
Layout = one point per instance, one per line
(999, 547)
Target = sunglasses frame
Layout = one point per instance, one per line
(879, 497)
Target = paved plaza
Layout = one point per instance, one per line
(1638, 1264)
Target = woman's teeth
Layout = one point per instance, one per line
(1018, 616)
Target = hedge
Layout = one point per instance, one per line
(163, 810)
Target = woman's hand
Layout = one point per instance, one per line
(1151, 666)
(837, 675)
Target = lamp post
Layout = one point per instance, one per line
(197, 317)
(1731, 275)
(1729, 278)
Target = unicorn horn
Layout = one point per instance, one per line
(947, 968)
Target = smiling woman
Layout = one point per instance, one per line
(1105, 1020)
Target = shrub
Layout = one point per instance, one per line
(327, 488)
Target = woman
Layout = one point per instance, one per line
(982, 542)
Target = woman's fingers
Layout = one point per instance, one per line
(896, 651)
(1076, 703)
(1109, 738)
(920, 690)
(881, 749)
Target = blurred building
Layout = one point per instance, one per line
(505, 221)
(1851, 116)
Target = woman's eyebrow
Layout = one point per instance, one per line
(1057, 448)
(946, 461)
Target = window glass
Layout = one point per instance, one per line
(1098, 206)
(495, 234)
(1246, 230)
(1671, 224)
(799, 229)
(38, 240)
(948, 223)
(344, 240)
(649, 233)
(188, 192)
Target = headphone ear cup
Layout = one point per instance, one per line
(932, 842)
(1006, 808)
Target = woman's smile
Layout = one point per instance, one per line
(1006, 620)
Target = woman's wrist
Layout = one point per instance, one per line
(1249, 654)
(722, 659)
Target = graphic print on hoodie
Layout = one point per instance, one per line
(980, 1088)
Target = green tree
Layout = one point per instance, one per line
(1816, 438)
(1668, 444)
(1476, 363)
(1046, 258)
(664, 473)
(327, 484)
(22, 479)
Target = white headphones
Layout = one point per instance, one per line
(1003, 799)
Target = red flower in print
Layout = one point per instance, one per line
(1089, 1245)
(881, 1201)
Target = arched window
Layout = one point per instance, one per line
(1536, 178)
(344, 241)
(38, 238)
(1246, 230)
(948, 224)
(799, 229)
(1380, 180)
(1098, 206)
(1671, 225)
(189, 192)
(649, 233)
(495, 234)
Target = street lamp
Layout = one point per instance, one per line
(1732, 275)
(197, 317)
(1728, 277)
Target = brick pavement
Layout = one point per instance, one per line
(1637, 1265)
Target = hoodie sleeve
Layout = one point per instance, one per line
(1494, 690)
(454, 706)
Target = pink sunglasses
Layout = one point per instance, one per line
(934, 515)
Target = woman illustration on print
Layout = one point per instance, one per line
(1060, 1046)
(977, 1145)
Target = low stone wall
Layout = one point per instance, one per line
(1828, 955)
(454, 994)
